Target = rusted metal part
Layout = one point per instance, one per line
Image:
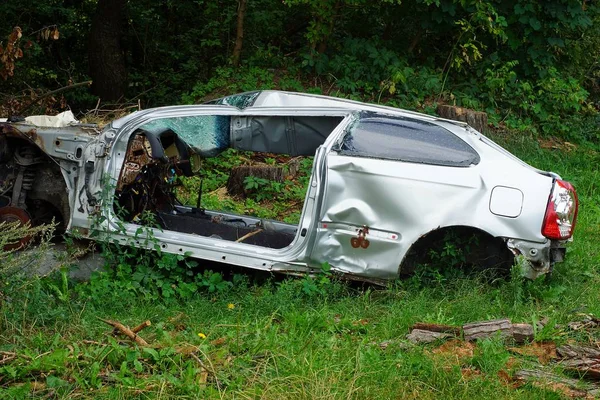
(361, 240)
(14, 214)
(139, 154)
(9, 129)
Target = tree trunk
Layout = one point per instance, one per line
(239, 39)
(106, 60)
(476, 119)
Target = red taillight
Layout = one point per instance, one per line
(561, 212)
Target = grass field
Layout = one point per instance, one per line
(302, 338)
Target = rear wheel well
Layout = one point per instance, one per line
(462, 247)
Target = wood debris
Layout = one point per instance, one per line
(456, 331)
(582, 360)
(503, 328)
(543, 351)
(423, 336)
(487, 329)
(572, 388)
(128, 332)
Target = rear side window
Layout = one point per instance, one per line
(407, 139)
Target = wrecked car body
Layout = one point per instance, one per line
(386, 185)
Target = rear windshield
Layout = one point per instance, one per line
(406, 139)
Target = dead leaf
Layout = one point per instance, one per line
(384, 345)
(512, 362)
(469, 373)
(186, 350)
(456, 349)
(202, 377)
(55, 34)
(35, 386)
(505, 377)
(219, 341)
(543, 351)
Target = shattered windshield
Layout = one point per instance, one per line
(207, 135)
(240, 101)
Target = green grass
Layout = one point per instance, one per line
(281, 340)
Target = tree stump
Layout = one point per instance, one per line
(476, 119)
(235, 183)
(276, 173)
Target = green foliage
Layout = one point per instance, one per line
(319, 283)
(262, 189)
(137, 266)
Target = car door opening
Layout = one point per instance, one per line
(239, 179)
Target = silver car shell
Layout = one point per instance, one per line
(398, 201)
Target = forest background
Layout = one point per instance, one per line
(532, 66)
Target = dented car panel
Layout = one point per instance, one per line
(383, 181)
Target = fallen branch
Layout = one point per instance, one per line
(141, 326)
(426, 332)
(126, 331)
(137, 329)
(582, 360)
(572, 351)
(522, 333)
